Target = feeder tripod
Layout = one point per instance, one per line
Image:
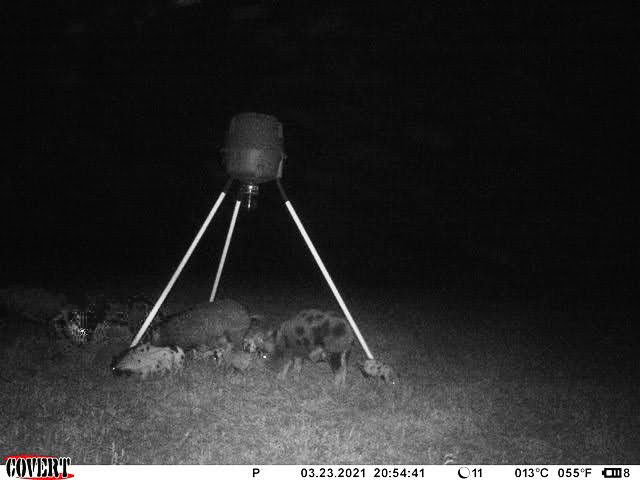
(225, 249)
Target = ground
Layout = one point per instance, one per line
(481, 382)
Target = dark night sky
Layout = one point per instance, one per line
(445, 135)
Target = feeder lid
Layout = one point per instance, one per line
(254, 130)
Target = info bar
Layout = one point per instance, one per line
(296, 472)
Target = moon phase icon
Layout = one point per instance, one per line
(463, 472)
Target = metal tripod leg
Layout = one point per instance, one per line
(324, 271)
(225, 250)
(184, 261)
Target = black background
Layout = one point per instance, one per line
(423, 140)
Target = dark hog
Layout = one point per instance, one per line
(203, 324)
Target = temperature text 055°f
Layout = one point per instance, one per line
(574, 472)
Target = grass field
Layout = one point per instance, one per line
(480, 383)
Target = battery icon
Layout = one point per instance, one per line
(612, 473)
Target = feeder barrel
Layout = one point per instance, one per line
(254, 148)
